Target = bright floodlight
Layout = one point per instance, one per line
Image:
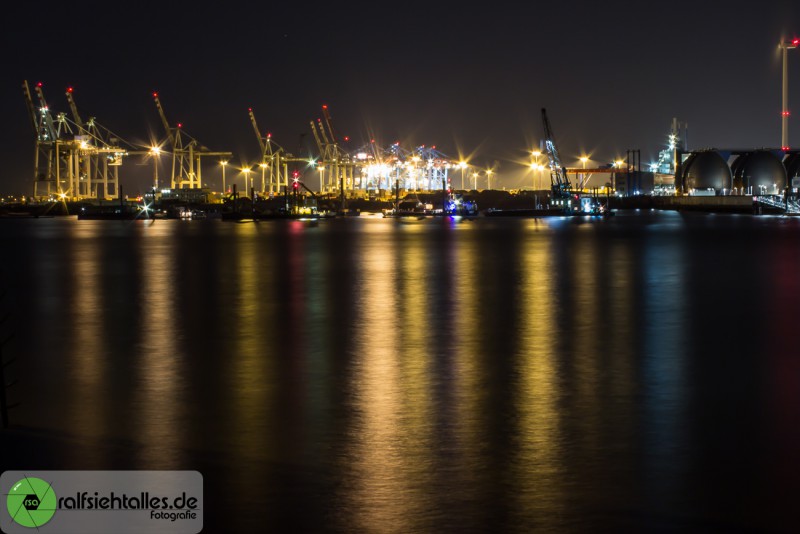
(584, 159)
(155, 150)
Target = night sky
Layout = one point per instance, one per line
(469, 79)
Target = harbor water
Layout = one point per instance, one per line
(639, 372)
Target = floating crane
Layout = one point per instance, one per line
(562, 195)
(559, 183)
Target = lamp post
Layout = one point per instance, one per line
(475, 181)
(785, 109)
(155, 151)
(223, 163)
(489, 179)
(463, 165)
(321, 176)
(263, 182)
(246, 172)
(536, 155)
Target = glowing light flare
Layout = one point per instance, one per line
(155, 94)
(38, 84)
(180, 125)
(69, 89)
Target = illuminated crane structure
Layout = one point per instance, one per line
(274, 161)
(559, 182)
(100, 150)
(72, 157)
(338, 163)
(374, 168)
(186, 153)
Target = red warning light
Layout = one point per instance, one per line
(324, 106)
(346, 138)
(372, 140)
(269, 135)
(249, 109)
(69, 89)
(180, 125)
(39, 84)
(155, 94)
(785, 113)
(295, 174)
(795, 42)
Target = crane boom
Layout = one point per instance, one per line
(329, 122)
(31, 108)
(74, 109)
(559, 182)
(322, 132)
(317, 139)
(258, 132)
(164, 120)
(48, 119)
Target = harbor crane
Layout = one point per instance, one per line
(57, 154)
(341, 168)
(186, 153)
(273, 160)
(559, 182)
(100, 150)
(562, 194)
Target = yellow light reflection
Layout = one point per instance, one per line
(542, 493)
(159, 404)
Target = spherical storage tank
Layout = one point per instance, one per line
(704, 171)
(760, 172)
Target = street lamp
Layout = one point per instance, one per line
(223, 163)
(489, 179)
(155, 151)
(263, 182)
(463, 165)
(246, 172)
(536, 155)
(785, 109)
(584, 159)
(475, 181)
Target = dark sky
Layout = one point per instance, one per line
(469, 79)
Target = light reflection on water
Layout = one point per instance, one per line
(379, 375)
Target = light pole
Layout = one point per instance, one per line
(263, 182)
(785, 110)
(584, 159)
(246, 172)
(223, 163)
(475, 181)
(155, 151)
(489, 179)
(536, 155)
(321, 176)
(463, 165)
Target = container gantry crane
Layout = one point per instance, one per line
(186, 153)
(272, 159)
(99, 150)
